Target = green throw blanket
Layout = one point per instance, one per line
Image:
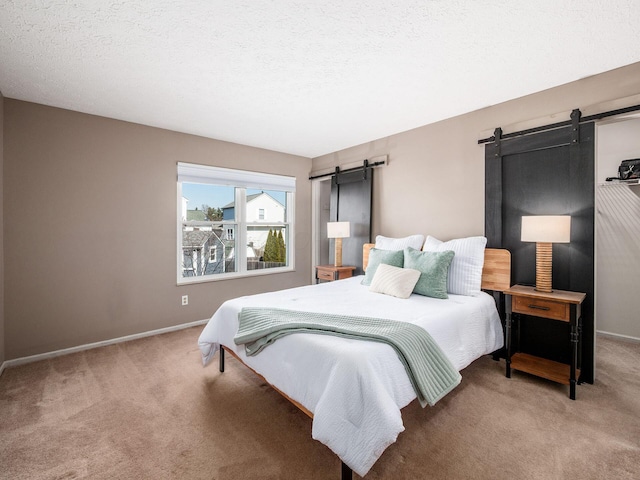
(430, 371)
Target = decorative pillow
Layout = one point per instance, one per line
(465, 272)
(394, 281)
(376, 257)
(387, 243)
(433, 268)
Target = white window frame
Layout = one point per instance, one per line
(213, 250)
(241, 180)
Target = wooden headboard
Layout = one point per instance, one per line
(496, 273)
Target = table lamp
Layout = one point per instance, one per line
(338, 230)
(545, 230)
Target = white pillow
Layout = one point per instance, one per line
(465, 271)
(394, 281)
(388, 243)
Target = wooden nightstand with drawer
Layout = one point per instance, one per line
(331, 272)
(559, 305)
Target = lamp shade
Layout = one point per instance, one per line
(546, 228)
(338, 230)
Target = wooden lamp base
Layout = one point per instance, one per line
(544, 255)
(338, 254)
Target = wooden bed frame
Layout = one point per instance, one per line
(496, 276)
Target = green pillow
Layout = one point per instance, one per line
(376, 257)
(433, 268)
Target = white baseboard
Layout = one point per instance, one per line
(617, 336)
(56, 353)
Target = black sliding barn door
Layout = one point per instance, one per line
(546, 173)
(351, 202)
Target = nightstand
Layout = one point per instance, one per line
(559, 305)
(331, 272)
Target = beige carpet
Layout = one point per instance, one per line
(147, 409)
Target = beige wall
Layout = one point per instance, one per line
(434, 181)
(90, 227)
(2, 348)
(89, 208)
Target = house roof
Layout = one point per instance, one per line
(307, 78)
(197, 238)
(197, 215)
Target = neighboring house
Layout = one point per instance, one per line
(210, 247)
(202, 252)
(261, 208)
(203, 246)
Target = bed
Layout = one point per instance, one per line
(354, 390)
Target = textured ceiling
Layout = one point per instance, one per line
(303, 77)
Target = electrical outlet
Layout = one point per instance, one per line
(185, 299)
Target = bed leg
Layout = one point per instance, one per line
(221, 358)
(346, 472)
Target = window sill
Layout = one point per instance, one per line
(232, 276)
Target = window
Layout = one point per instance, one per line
(219, 234)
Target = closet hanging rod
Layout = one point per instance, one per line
(566, 123)
(354, 169)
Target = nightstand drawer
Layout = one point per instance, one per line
(329, 273)
(542, 308)
(324, 275)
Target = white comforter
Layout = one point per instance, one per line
(355, 388)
